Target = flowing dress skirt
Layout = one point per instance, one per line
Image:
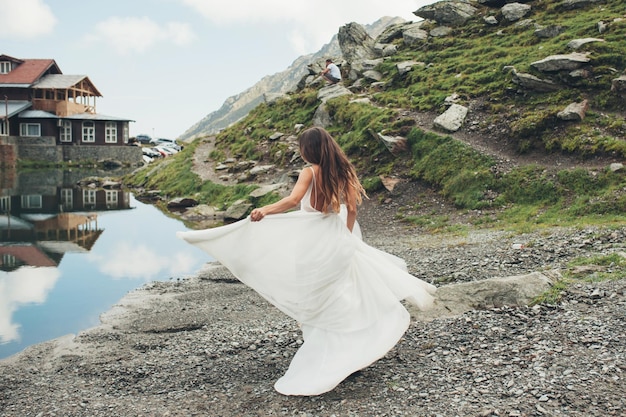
(344, 293)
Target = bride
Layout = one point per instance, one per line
(313, 265)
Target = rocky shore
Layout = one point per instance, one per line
(208, 346)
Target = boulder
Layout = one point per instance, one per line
(531, 82)
(513, 12)
(456, 299)
(576, 4)
(332, 91)
(202, 212)
(385, 49)
(574, 111)
(453, 13)
(490, 20)
(355, 43)
(452, 119)
(389, 182)
(567, 62)
(577, 43)
(618, 85)
(451, 99)
(182, 202)
(261, 169)
(551, 31)
(406, 66)
(265, 190)
(372, 75)
(276, 136)
(440, 31)
(321, 117)
(393, 32)
(357, 68)
(238, 210)
(412, 36)
(395, 144)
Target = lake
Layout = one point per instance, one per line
(68, 253)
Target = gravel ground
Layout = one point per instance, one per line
(208, 346)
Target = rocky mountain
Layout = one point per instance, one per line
(239, 105)
(490, 104)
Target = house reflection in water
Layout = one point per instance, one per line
(41, 222)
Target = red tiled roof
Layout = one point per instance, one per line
(30, 255)
(29, 71)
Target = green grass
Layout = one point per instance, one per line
(596, 268)
(174, 177)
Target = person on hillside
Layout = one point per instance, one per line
(331, 73)
(313, 265)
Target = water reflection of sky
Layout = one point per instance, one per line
(137, 246)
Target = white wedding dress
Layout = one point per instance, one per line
(344, 293)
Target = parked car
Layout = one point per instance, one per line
(169, 142)
(151, 152)
(161, 153)
(143, 138)
(165, 150)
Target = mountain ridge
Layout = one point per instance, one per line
(239, 105)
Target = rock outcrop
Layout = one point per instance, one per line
(453, 13)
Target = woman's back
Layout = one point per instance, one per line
(313, 199)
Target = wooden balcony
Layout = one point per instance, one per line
(62, 108)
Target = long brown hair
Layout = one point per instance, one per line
(337, 174)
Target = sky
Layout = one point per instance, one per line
(166, 64)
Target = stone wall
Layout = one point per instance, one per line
(45, 149)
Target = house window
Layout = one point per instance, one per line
(30, 129)
(10, 261)
(125, 133)
(5, 67)
(89, 132)
(89, 197)
(5, 204)
(67, 199)
(66, 131)
(110, 132)
(31, 201)
(111, 198)
(3, 128)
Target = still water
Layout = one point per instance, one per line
(69, 253)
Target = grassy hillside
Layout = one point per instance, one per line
(474, 62)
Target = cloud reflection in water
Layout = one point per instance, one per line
(26, 285)
(131, 261)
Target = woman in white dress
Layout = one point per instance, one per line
(313, 266)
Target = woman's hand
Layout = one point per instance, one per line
(257, 215)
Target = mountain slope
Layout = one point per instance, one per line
(239, 105)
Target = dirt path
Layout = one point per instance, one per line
(203, 166)
(495, 141)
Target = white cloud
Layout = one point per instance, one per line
(310, 24)
(24, 286)
(138, 34)
(130, 261)
(25, 19)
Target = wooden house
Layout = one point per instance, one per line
(38, 101)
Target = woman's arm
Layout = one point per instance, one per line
(351, 206)
(289, 202)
